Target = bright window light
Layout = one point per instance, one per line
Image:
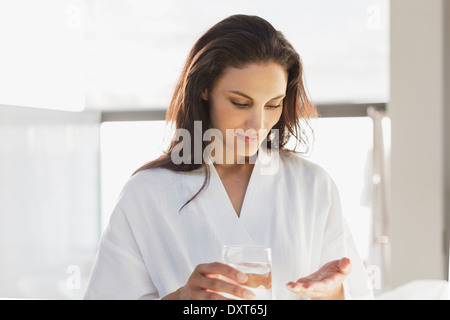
(343, 147)
(125, 146)
(136, 49)
(42, 54)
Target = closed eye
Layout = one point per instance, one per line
(246, 105)
(240, 105)
(274, 107)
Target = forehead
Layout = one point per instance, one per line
(254, 80)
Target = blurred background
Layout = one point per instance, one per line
(84, 86)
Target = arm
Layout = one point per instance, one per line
(119, 271)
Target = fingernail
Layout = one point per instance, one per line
(242, 277)
(248, 294)
(292, 286)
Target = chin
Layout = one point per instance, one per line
(243, 150)
(247, 150)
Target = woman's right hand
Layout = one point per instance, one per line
(205, 284)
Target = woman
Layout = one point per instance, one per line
(227, 179)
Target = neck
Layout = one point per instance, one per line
(244, 167)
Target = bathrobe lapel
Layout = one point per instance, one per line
(254, 224)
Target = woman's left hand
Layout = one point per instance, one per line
(326, 283)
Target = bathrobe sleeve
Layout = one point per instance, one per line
(119, 271)
(338, 243)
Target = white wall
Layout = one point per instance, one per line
(49, 201)
(446, 123)
(417, 113)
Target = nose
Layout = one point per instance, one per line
(255, 120)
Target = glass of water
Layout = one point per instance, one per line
(256, 263)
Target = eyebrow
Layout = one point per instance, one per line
(250, 98)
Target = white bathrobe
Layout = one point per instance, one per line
(150, 249)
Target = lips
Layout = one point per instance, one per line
(248, 139)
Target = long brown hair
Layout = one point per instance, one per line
(235, 42)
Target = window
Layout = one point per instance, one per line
(49, 202)
(42, 54)
(343, 147)
(136, 49)
(125, 146)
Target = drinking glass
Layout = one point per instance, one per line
(256, 263)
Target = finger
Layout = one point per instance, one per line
(203, 294)
(210, 295)
(222, 269)
(219, 285)
(311, 290)
(345, 266)
(300, 290)
(305, 286)
(211, 277)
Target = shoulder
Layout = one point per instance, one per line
(312, 184)
(147, 178)
(148, 183)
(158, 185)
(298, 166)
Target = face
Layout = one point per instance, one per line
(247, 102)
